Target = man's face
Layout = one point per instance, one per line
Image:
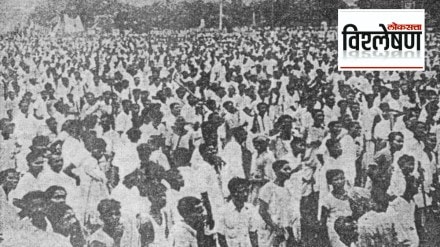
(176, 110)
(67, 222)
(90, 98)
(97, 153)
(355, 109)
(37, 165)
(11, 95)
(137, 80)
(11, 181)
(24, 107)
(159, 199)
(112, 217)
(336, 129)
(421, 130)
(241, 194)
(198, 217)
(356, 130)
(336, 150)
(407, 167)
(319, 117)
(397, 143)
(431, 142)
(338, 181)
(59, 197)
(135, 108)
(260, 146)
(9, 128)
(262, 108)
(285, 172)
(56, 164)
(299, 147)
(52, 124)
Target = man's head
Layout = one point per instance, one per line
(63, 219)
(239, 189)
(24, 106)
(282, 169)
(354, 129)
(56, 194)
(52, 124)
(346, 228)
(90, 98)
(336, 178)
(262, 108)
(156, 195)
(334, 148)
(33, 205)
(229, 106)
(176, 109)
(109, 212)
(240, 134)
(181, 157)
(318, 116)
(6, 126)
(260, 143)
(420, 130)
(431, 141)
(207, 151)
(9, 179)
(298, 145)
(335, 128)
(175, 179)
(406, 164)
(396, 141)
(96, 146)
(126, 105)
(56, 163)
(192, 211)
(35, 162)
(134, 134)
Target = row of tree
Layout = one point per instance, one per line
(187, 14)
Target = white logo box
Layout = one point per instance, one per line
(369, 20)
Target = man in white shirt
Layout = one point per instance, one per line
(239, 220)
(184, 233)
(31, 180)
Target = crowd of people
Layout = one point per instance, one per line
(207, 139)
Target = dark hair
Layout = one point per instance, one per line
(4, 174)
(95, 143)
(352, 124)
(134, 133)
(172, 105)
(50, 192)
(236, 182)
(330, 174)
(332, 124)
(393, 135)
(182, 155)
(279, 164)
(404, 159)
(107, 205)
(296, 140)
(187, 205)
(331, 143)
(57, 212)
(33, 156)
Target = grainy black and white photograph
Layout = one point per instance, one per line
(211, 123)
